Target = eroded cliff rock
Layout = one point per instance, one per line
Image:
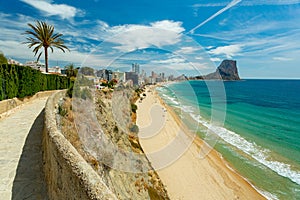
(142, 182)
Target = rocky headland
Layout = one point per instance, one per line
(226, 71)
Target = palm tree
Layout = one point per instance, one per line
(42, 35)
(71, 71)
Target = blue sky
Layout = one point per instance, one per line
(177, 36)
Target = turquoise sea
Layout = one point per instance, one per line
(255, 126)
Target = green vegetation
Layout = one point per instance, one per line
(88, 71)
(138, 91)
(20, 81)
(62, 111)
(111, 84)
(71, 71)
(134, 128)
(3, 59)
(70, 91)
(133, 108)
(42, 35)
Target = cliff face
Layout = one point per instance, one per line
(226, 71)
(124, 185)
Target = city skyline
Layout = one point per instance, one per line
(188, 37)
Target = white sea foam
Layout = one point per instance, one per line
(173, 100)
(257, 152)
(267, 195)
(187, 109)
(251, 148)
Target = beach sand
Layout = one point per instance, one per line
(174, 153)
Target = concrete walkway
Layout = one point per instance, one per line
(21, 175)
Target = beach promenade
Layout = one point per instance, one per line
(21, 164)
(186, 175)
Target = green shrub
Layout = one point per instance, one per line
(133, 108)
(21, 81)
(134, 128)
(62, 111)
(70, 91)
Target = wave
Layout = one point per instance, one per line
(171, 100)
(258, 153)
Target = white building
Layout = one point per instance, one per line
(36, 65)
(14, 62)
(55, 69)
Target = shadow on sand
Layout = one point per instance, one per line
(29, 180)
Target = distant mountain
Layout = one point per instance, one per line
(226, 71)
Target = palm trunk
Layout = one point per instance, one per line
(46, 58)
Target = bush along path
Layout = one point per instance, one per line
(21, 81)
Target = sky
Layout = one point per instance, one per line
(171, 36)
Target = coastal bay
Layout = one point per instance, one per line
(182, 171)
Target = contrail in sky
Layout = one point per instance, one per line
(231, 4)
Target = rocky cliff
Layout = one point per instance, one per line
(226, 71)
(124, 184)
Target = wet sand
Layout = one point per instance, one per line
(174, 153)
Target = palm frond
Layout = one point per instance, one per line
(37, 48)
(38, 58)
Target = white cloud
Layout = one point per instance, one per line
(169, 61)
(282, 58)
(200, 66)
(168, 25)
(114, 41)
(229, 51)
(131, 37)
(188, 50)
(179, 64)
(15, 50)
(209, 47)
(199, 58)
(49, 9)
(215, 59)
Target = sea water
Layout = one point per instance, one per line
(256, 125)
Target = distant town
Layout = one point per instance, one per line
(135, 77)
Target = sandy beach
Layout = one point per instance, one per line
(174, 154)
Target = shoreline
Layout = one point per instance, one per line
(210, 177)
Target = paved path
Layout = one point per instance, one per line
(21, 174)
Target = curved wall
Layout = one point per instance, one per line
(68, 175)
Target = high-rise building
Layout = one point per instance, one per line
(104, 74)
(119, 76)
(143, 73)
(133, 77)
(136, 68)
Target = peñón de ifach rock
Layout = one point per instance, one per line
(226, 71)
